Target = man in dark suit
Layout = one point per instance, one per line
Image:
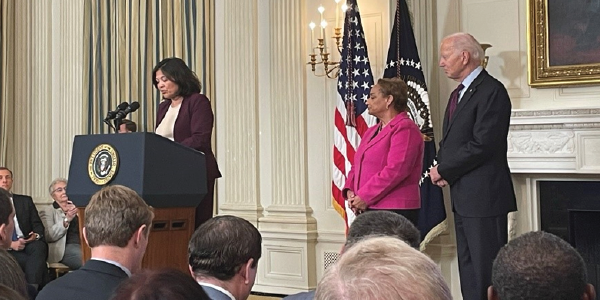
(117, 223)
(223, 256)
(28, 246)
(472, 160)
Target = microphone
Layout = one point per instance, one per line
(133, 107)
(112, 114)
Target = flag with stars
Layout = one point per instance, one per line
(403, 61)
(351, 116)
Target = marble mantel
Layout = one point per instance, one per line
(564, 141)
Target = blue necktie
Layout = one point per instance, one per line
(15, 237)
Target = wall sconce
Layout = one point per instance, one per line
(484, 62)
(330, 67)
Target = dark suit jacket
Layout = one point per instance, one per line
(27, 215)
(96, 280)
(472, 154)
(193, 128)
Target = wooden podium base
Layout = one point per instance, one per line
(170, 233)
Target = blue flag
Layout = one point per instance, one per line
(403, 61)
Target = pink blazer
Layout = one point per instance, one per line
(387, 168)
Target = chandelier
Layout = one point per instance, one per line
(321, 60)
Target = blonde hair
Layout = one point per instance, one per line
(114, 214)
(383, 268)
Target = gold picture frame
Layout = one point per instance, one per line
(552, 60)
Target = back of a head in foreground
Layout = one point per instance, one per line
(222, 245)
(167, 284)
(114, 214)
(12, 275)
(539, 265)
(383, 223)
(383, 268)
(7, 293)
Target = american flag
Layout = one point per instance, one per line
(403, 61)
(351, 115)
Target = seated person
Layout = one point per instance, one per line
(28, 245)
(383, 268)
(166, 284)
(127, 126)
(62, 227)
(539, 265)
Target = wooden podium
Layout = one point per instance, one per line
(168, 176)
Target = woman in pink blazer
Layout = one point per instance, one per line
(388, 162)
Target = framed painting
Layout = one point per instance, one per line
(563, 42)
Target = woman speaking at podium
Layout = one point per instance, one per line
(185, 116)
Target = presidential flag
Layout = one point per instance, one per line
(403, 61)
(351, 116)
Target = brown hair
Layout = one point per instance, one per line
(5, 168)
(129, 125)
(114, 214)
(221, 246)
(12, 275)
(397, 88)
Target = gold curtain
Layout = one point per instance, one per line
(124, 40)
(7, 79)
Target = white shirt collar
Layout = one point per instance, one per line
(469, 79)
(218, 288)
(112, 262)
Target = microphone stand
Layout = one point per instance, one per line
(110, 125)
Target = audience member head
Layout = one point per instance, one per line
(224, 251)
(127, 126)
(12, 274)
(58, 191)
(176, 71)
(383, 223)
(539, 265)
(7, 222)
(167, 284)
(117, 222)
(6, 178)
(460, 54)
(7, 293)
(383, 268)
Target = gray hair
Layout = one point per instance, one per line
(54, 182)
(383, 268)
(462, 41)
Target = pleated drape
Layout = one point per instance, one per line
(124, 40)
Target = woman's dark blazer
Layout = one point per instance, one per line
(193, 128)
